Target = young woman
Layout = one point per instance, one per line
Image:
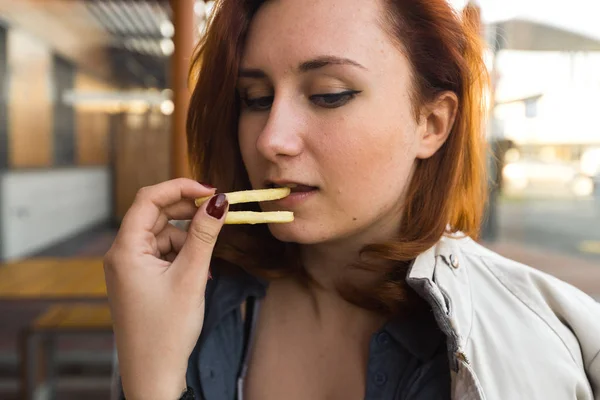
(371, 111)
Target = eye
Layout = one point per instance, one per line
(258, 103)
(333, 100)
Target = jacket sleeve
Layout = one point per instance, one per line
(594, 373)
(581, 314)
(562, 306)
(590, 342)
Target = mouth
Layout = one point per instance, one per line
(294, 186)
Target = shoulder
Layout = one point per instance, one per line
(516, 322)
(529, 285)
(502, 288)
(525, 282)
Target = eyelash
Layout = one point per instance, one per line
(339, 100)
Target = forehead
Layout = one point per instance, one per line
(285, 32)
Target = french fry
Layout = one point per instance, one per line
(250, 196)
(251, 217)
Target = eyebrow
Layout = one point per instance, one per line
(252, 73)
(324, 61)
(306, 66)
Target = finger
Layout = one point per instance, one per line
(182, 210)
(170, 257)
(151, 200)
(193, 260)
(170, 239)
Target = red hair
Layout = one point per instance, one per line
(448, 190)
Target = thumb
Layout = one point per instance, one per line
(202, 235)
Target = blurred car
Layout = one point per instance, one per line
(555, 177)
(590, 162)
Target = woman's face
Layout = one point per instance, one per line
(326, 106)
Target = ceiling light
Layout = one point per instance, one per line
(167, 47)
(167, 29)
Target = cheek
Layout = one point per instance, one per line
(368, 153)
(368, 164)
(247, 143)
(245, 147)
(244, 133)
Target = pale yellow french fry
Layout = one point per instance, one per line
(251, 217)
(250, 196)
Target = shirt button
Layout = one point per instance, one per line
(454, 261)
(380, 379)
(383, 339)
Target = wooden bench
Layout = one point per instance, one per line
(53, 279)
(38, 368)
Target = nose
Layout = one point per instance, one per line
(282, 133)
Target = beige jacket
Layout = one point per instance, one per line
(513, 332)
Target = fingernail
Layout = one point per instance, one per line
(206, 185)
(216, 206)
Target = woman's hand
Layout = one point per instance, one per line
(156, 278)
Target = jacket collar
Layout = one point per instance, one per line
(440, 276)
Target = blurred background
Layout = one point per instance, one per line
(93, 97)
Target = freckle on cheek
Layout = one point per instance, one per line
(354, 219)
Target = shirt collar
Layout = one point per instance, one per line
(226, 291)
(418, 333)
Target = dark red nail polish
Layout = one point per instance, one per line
(206, 185)
(216, 206)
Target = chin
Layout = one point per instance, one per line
(297, 232)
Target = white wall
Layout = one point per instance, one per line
(42, 207)
(563, 117)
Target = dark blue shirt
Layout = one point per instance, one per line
(407, 357)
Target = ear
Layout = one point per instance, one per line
(437, 120)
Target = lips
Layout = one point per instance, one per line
(301, 193)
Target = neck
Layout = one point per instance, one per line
(328, 263)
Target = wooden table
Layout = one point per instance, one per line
(53, 279)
